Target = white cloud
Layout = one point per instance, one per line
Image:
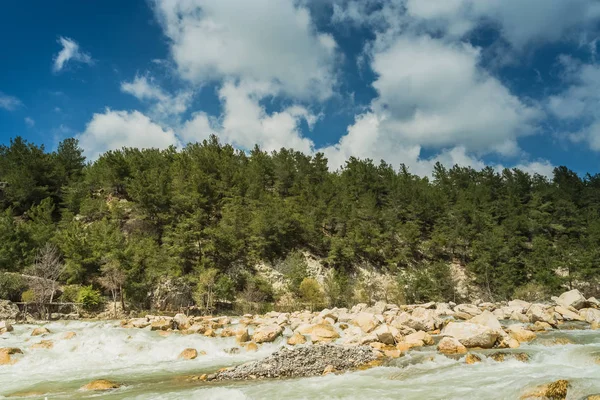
(164, 104)
(434, 94)
(116, 129)
(245, 122)
(70, 53)
(9, 103)
(578, 106)
(29, 122)
(262, 40)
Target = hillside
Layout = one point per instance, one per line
(195, 222)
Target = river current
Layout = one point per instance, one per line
(148, 366)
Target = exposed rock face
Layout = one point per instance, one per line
(572, 298)
(301, 362)
(8, 310)
(188, 354)
(101, 384)
(450, 345)
(471, 335)
(267, 333)
(5, 327)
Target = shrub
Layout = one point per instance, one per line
(310, 291)
(11, 286)
(531, 292)
(90, 298)
(28, 296)
(70, 293)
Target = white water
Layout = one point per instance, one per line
(148, 366)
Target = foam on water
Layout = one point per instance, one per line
(147, 363)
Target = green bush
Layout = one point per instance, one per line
(70, 293)
(11, 286)
(28, 296)
(531, 292)
(90, 298)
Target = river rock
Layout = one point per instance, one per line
(470, 309)
(139, 323)
(554, 391)
(488, 319)
(572, 298)
(296, 339)
(519, 305)
(419, 336)
(323, 333)
(568, 314)
(591, 315)
(161, 325)
(301, 362)
(450, 345)
(44, 344)
(518, 332)
(251, 346)
(181, 321)
(387, 334)
(421, 319)
(267, 333)
(101, 384)
(68, 335)
(472, 359)
(242, 336)
(593, 302)
(366, 321)
(5, 327)
(539, 313)
(40, 331)
(188, 354)
(471, 335)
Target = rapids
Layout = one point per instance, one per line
(147, 364)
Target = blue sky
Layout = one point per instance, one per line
(498, 82)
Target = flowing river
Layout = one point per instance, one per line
(148, 366)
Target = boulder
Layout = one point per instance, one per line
(572, 298)
(419, 336)
(44, 344)
(161, 325)
(366, 321)
(519, 305)
(450, 345)
(181, 322)
(5, 358)
(296, 339)
(471, 335)
(593, 302)
(68, 335)
(139, 322)
(251, 346)
(568, 314)
(519, 317)
(472, 359)
(518, 332)
(554, 391)
(5, 327)
(40, 331)
(387, 334)
(539, 313)
(591, 315)
(101, 384)
(323, 333)
(188, 354)
(421, 319)
(267, 333)
(242, 336)
(468, 309)
(488, 319)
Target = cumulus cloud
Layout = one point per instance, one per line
(163, 103)
(244, 122)
(29, 122)
(69, 53)
(9, 103)
(578, 106)
(262, 40)
(116, 129)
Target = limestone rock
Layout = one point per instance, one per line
(568, 314)
(424, 337)
(40, 331)
(323, 333)
(450, 345)
(468, 309)
(366, 321)
(181, 321)
(471, 335)
(101, 384)
(387, 334)
(251, 347)
(242, 336)
(554, 391)
(160, 325)
(521, 334)
(296, 339)
(591, 315)
(188, 354)
(472, 358)
(488, 319)
(8, 310)
(44, 344)
(267, 333)
(139, 322)
(539, 313)
(572, 298)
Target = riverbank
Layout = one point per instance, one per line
(404, 343)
